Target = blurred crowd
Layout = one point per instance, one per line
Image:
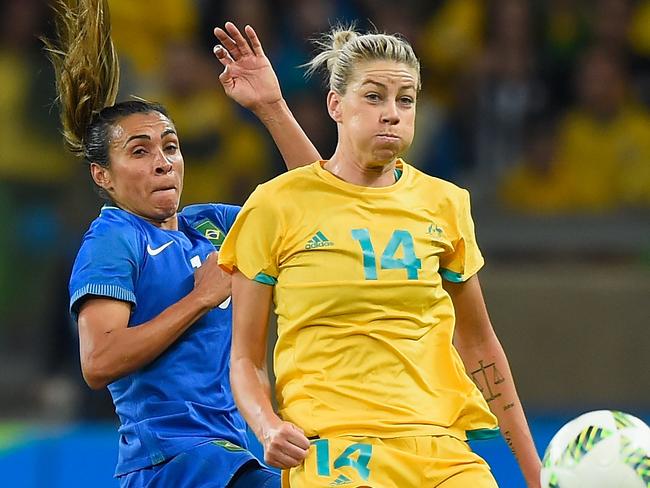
(537, 106)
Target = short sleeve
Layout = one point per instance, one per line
(107, 265)
(464, 259)
(252, 242)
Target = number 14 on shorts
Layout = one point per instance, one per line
(355, 456)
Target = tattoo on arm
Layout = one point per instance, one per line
(485, 377)
(508, 438)
(508, 406)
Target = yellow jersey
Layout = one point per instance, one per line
(364, 325)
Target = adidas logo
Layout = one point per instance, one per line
(319, 240)
(341, 480)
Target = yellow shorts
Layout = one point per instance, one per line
(405, 462)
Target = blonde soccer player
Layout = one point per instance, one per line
(372, 267)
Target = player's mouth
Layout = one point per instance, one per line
(164, 189)
(388, 137)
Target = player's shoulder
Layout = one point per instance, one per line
(113, 219)
(199, 212)
(213, 220)
(114, 225)
(436, 187)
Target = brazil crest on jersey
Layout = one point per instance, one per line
(182, 398)
(364, 325)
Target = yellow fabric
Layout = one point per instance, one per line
(454, 34)
(27, 155)
(528, 189)
(142, 30)
(449, 42)
(407, 462)
(358, 356)
(606, 163)
(639, 32)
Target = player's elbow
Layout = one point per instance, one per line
(94, 374)
(94, 382)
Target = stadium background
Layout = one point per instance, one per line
(540, 108)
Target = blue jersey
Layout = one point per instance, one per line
(182, 398)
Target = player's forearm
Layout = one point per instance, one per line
(488, 366)
(292, 142)
(249, 377)
(124, 350)
(252, 391)
(516, 433)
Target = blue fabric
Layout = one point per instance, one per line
(208, 465)
(183, 398)
(255, 476)
(451, 276)
(265, 279)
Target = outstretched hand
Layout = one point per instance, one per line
(248, 77)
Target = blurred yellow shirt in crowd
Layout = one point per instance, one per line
(598, 166)
(27, 156)
(529, 189)
(606, 163)
(450, 40)
(142, 29)
(454, 34)
(640, 28)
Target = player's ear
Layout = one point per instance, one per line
(334, 106)
(101, 176)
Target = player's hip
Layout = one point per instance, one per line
(402, 462)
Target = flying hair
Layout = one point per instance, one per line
(85, 65)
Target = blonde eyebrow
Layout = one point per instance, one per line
(382, 85)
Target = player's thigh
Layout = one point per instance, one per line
(253, 475)
(455, 465)
(354, 463)
(209, 465)
(477, 476)
(408, 462)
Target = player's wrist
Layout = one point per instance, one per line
(202, 302)
(268, 424)
(269, 112)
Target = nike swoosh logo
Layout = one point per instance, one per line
(224, 305)
(158, 250)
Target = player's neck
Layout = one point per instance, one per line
(169, 223)
(356, 170)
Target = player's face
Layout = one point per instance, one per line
(145, 175)
(376, 116)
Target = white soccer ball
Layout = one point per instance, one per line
(600, 449)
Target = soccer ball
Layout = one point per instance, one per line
(600, 449)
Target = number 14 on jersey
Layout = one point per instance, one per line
(400, 238)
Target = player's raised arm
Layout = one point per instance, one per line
(249, 79)
(481, 352)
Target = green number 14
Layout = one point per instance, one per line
(409, 261)
(356, 456)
